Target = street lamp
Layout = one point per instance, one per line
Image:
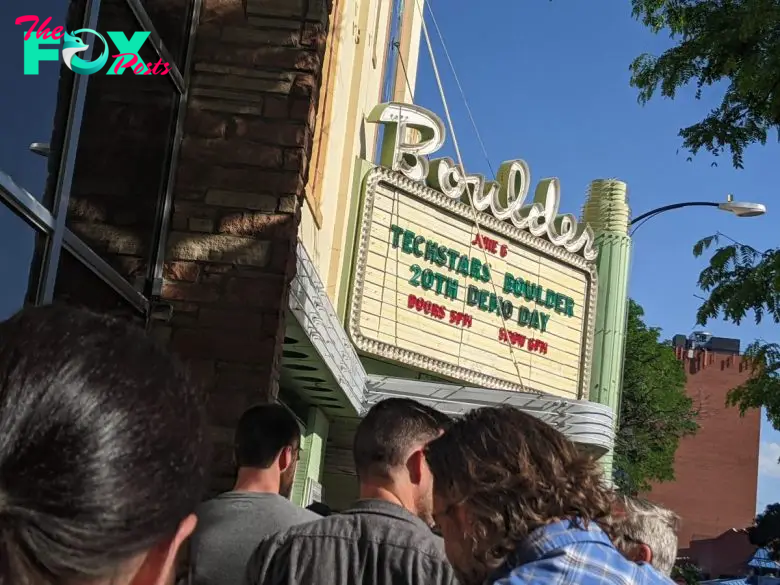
(738, 208)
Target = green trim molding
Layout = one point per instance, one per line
(362, 167)
(308, 475)
(606, 210)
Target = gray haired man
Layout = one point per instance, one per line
(645, 532)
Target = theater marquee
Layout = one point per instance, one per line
(495, 306)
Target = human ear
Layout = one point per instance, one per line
(159, 565)
(416, 465)
(286, 458)
(642, 554)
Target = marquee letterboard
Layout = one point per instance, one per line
(432, 292)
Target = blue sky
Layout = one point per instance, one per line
(548, 81)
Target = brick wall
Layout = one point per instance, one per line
(717, 469)
(239, 189)
(724, 556)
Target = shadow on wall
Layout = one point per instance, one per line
(242, 167)
(243, 158)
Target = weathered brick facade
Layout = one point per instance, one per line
(726, 556)
(239, 186)
(717, 469)
(239, 190)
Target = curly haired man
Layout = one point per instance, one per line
(518, 504)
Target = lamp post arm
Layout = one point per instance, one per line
(673, 206)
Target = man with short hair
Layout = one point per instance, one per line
(386, 537)
(645, 532)
(520, 504)
(267, 445)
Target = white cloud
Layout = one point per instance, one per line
(768, 456)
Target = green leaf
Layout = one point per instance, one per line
(655, 412)
(762, 389)
(730, 48)
(704, 244)
(687, 572)
(765, 531)
(739, 280)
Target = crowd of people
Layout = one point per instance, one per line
(104, 457)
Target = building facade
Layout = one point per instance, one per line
(716, 470)
(723, 557)
(231, 194)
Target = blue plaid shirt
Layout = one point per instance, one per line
(563, 554)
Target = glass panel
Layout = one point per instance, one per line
(17, 249)
(123, 157)
(78, 285)
(35, 102)
(171, 19)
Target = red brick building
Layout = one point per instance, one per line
(725, 556)
(717, 469)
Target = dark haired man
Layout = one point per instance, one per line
(386, 537)
(518, 504)
(267, 443)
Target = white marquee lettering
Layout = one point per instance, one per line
(506, 197)
(408, 157)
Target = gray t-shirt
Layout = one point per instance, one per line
(229, 529)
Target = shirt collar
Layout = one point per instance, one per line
(385, 508)
(548, 538)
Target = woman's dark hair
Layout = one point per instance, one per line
(103, 447)
(513, 473)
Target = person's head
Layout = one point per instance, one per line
(645, 532)
(388, 450)
(498, 475)
(267, 447)
(103, 452)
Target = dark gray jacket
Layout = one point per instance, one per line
(373, 543)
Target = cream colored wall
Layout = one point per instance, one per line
(363, 27)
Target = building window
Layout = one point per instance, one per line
(77, 285)
(98, 184)
(17, 247)
(28, 112)
(171, 19)
(123, 156)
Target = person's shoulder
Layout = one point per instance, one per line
(429, 545)
(304, 516)
(211, 503)
(277, 549)
(304, 526)
(306, 534)
(649, 575)
(314, 525)
(631, 573)
(211, 513)
(227, 500)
